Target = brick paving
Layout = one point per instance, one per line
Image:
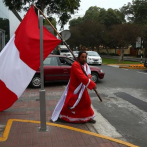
(24, 134)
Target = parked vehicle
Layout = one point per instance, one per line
(93, 58)
(64, 51)
(76, 53)
(57, 69)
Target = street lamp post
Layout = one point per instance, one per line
(43, 127)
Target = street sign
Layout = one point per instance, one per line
(138, 42)
(65, 34)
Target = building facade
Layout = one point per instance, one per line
(8, 24)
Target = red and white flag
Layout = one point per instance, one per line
(20, 58)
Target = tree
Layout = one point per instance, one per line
(107, 17)
(75, 22)
(124, 35)
(113, 17)
(87, 33)
(91, 30)
(136, 12)
(63, 9)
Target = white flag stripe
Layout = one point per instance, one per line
(16, 74)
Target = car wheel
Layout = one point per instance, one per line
(36, 81)
(94, 77)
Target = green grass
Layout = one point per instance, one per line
(115, 61)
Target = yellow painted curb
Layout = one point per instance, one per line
(10, 121)
(128, 67)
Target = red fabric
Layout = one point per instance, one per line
(83, 111)
(89, 76)
(27, 40)
(7, 97)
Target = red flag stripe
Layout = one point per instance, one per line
(27, 40)
(20, 58)
(13, 71)
(7, 97)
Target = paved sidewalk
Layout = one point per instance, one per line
(22, 122)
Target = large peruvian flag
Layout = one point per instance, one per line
(20, 58)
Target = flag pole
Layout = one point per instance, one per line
(43, 127)
(66, 46)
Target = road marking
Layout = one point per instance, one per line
(104, 127)
(2, 127)
(10, 121)
(142, 72)
(125, 69)
(117, 66)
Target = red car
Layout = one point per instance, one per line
(57, 68)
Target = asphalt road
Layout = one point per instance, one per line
(124, 106)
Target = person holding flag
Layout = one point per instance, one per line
(75, 104)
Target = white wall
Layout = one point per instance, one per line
(14, 23)
(4, 12)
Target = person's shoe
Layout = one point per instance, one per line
(92, 121)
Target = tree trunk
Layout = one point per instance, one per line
(42, 6)
(121, 57)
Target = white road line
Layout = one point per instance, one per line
(142, 72)
(125, 69)
(117, 66)
(2, 127)
(103, 127)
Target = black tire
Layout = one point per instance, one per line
(36, 81)
(94, 77)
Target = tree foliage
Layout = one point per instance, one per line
(136, 12)
(93, 28)
(126, 34)
(107, 28)
(107, 17)
(63, 9)
(87, 33)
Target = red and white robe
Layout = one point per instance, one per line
(75, 103)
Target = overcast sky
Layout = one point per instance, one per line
(85, 4)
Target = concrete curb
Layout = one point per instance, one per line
(132, 67)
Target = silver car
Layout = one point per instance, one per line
(93, 58)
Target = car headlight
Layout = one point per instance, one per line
(90, 58)
(101, 70)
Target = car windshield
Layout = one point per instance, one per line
(64, 50)
(93, 54)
